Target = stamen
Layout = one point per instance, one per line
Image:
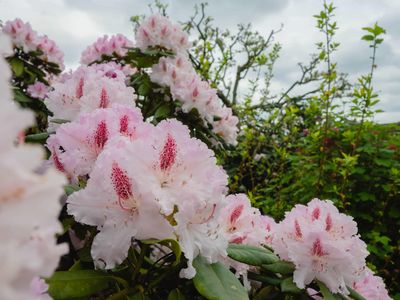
(236, 213)
(317, 249)
(121, 182)
(57, 163)
(104, 100)
(328, 222)
(168, 154)
(315, 214)
(79, 88)
(297, 229)
(101, 135)
(123, 124)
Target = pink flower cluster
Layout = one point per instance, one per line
(106, 46)
(37, 90)
(371, 287)
(323, 244)
(145, 182)
(158, 31)
(24, 37)
(86, 89)
(243, 224)
(29, 204)
(185, 84)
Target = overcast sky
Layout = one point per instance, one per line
(74, 24)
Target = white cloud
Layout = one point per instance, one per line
(74, 24)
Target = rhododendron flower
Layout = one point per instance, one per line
(171, 71)
(106, 46)
(24, 37)
(87, 89)
(157, 30)
(39, 289)
(199, 233)
(186, 86)
(76, 145)
(227, 125)
(242, 223)
(29, 205)
(176, 168)
(371, 287)
(323, 244)
(118, 205)
(37, 90)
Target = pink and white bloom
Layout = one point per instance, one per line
(106, 46)
(323, 244)
(24, 37)
(199, 233)
(227, 125)
(117, 204)
(177, 169)
(38, 90)
(371, 287)
(186, 86)
(29, 205)
(242, 223)
(87, 89)
(76, 145)
(39, 289)
(157, 30)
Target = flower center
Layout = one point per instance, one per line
(168, 154)
(101, 135)
(104, 99)
(123, 188)
(317, 249)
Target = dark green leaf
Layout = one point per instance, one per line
(326, 293)
(17, 66)
(215, 281)
(176, 294)
(138, 296)
(71, 188)
(288, 286)
(255, 256)
(354, 295)
(163, 111)
(37, 138)
(59, 121)
(281, 267)
(170, 243)
(74, 284)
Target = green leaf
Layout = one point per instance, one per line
(326, 293)
(265, 279)
(20, 97)
(71, 188)
(37, 137)
(288, 286)
(171, 244)
(368, 37)
(255, 256)
(139, 296)
(281, 267)
(59, 121)
(354, 295)
(17, 66)
(144, 89)
(75, 284)
(176, 294)
(163, 111)
(216, 282)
